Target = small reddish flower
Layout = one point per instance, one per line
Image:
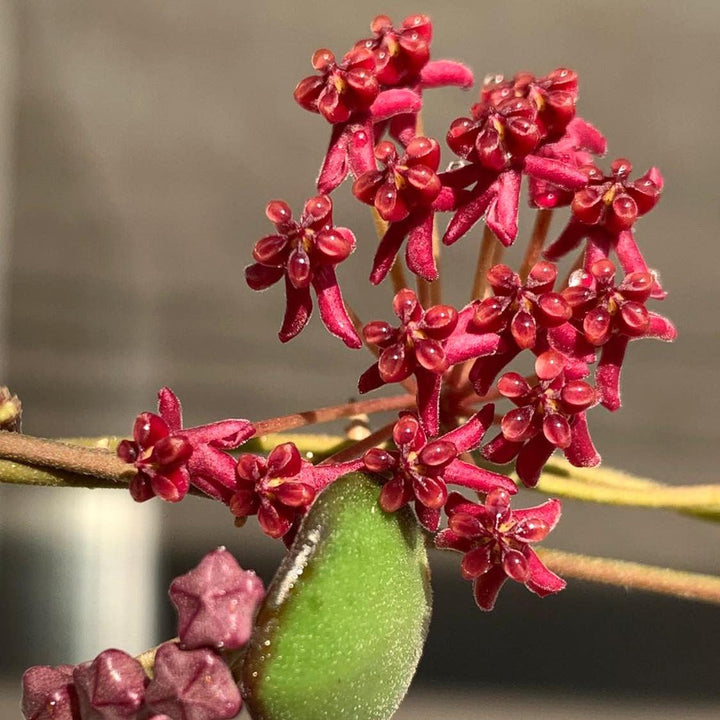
(495, 542)
(521, 308)
(553, 96)
(305, 253)
(403, 193)
(341, 89)
(496, 136)
(168, 458)
(111, 687)
(500, 143)
(521, 313)
(216, 603)
(347, 94)
(549, 415)
(424, 345)
(609, 316)
(49, 693)
(400, 53)
(604, 211)
(421, 470)
(342, 93)
(279, 490)
(402, 57)
(193, 685)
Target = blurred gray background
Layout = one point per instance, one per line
(139, 144)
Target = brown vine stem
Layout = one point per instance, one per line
(42, 453)
(334, 412)
(537, 240)
(687, 585)
(362, 446)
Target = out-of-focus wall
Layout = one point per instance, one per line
(148, 137)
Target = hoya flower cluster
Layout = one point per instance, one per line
(544, 342)
(453, 361)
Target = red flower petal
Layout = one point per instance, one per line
(487, 587)
(297, 311)
(332, 307)
(542, 581)
(444, 73)
(169, 409)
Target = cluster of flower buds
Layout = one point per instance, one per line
(188, 678)
(454, 361)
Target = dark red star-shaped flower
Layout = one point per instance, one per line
(500, 143)
(604, 212)
(554, 96)
(549, 415)
(425, 345)
(402, 60)
(281, 488)
(421, 470)
(609, 316)
(400, 53)
(341, 88)
(169, 458)
(348, 95)
(495, 541)
(520, 312)
(403, 193)
(305, 252)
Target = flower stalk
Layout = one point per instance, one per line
(686, 585)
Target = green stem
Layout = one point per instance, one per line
(687, 585)
(88, 462)
(13, 473)
(612, 487)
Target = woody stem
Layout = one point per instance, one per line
(334, 412)
(74, 459)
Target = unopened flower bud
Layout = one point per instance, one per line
(10, 411)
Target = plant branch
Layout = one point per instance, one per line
(334, 412)
(686, 585)
(362, 446)
(612, 487)
(75, 459)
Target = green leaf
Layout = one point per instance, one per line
(341, 630)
